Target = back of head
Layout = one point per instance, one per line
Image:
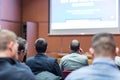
(6, 36)
(41, 45)
(22, 48)
(103, 43)
(75, 45)
(22, 44)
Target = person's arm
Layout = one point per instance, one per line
(81, 51)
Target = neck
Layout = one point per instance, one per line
(105, 56)
(5, 54)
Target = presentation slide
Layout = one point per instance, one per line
(84, 14)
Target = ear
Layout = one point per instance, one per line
(117, 51)
(10, 45)
(91, 50)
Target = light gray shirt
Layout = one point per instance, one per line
(73, 61)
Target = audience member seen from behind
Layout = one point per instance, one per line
(40, 62)
(21, 53)
(9, 69)
(21, 48)
(74, 59)
(103, 67)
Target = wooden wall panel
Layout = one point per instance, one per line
(37, 10)
(0, 9)
(11, 26)
(10, 15)
(117, 39)
(54, 43)
(11, 10)
(84, 42)
(43, 29)
(65, 43)
(32, 35)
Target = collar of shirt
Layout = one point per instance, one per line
(40, 54)
(10, 60)
(74, 52)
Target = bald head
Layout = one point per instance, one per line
(75, 45)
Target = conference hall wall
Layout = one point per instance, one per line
(37, 11)
(10, 15)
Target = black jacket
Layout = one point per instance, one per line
(12, 70)
(40, 62)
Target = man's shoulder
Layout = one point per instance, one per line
(30, 58)
(24, 70)
(51, 59)
(82, 56)
(22, 65)
(76, 56)
(66, 56)
(24, 74)
(17, 73)
(90, 71)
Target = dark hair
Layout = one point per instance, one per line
(22, 44)
(75, 45)
(103, 43)
(41, 45)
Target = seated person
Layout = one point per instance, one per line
(103, 67)
(74, 59)
(40, 62)
(10, 69)
(22, 45)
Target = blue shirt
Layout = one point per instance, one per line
(102, 69)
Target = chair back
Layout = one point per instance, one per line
(66, 72)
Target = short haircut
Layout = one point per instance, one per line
(6, 36)
(22, 44)
(103, 43)
(75, 45)
(41, 45)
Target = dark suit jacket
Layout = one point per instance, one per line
(40, 62)
(12, 70)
